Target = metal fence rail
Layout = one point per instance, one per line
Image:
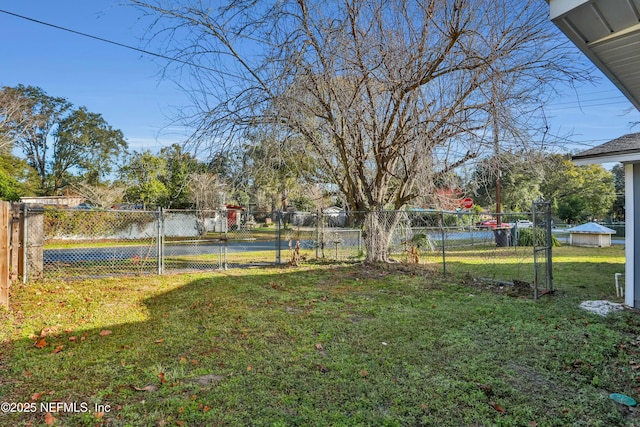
(83, 243)
(94, 243)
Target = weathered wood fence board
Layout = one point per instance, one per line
(5, 251)
(11, 253)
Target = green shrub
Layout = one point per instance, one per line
(527, 237)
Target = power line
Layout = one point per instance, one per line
(126, 46)
(560, 106)
(586, 105)
(580, 99)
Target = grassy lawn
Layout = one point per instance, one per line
(323, 345)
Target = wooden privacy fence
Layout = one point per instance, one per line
(10, 248)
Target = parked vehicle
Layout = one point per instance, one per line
(493, 224)
(86, 206)
(522, 223)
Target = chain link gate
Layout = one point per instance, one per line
(542, 247)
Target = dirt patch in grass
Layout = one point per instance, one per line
(526, 379)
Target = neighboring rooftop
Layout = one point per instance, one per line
(625, 148)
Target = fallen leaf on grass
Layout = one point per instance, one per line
(161, 376)
(41, 343)
(98, 415)
(364, 373)
(58, 349)
(533, 424)
(322, 369)
(319, 347)
(49, 419)
(73, 338)
(105, 332)
(161, 340)
(496, 407)
(148, 387)
(36, 396)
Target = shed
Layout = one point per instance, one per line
(590, 234)
(234, 216)
(335, 216)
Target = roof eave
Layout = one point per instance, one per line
(620, 157)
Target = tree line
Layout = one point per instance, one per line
(68, 149)
(49, 147)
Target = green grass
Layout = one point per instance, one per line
(322, 345)
(588, 272)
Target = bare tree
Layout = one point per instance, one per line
(389, 96)
(207, 193)
(11, 117)
(103, 196)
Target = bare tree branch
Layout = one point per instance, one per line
(389, 96)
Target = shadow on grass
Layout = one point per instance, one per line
(350, 345)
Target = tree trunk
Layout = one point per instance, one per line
(379, 229)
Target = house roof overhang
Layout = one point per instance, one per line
(608, 32)
(625, 149)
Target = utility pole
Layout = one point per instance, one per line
(496, 148)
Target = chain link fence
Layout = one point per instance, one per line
(96, 243)
(67, 243)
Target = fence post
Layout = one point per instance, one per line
(5, 219)
(442, 237)
(33, 253)
(318, 218)
(25, 226)
(471, 230)
(226, 237)
(278, 237)
(15, 242)
(159, 241)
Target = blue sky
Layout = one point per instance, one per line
(121, 84)
(125, 87)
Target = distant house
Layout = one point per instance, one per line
(55, 201)
(336, 216)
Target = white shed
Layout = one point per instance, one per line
(590, 234)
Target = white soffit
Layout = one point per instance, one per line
(608, 32)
